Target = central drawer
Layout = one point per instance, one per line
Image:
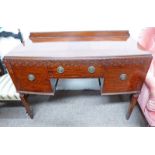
(87, 70)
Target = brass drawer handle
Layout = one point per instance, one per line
(31, 77)
(123, 77)
(60, 69)
(91, 69)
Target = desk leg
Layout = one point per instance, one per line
(26, 104)
(132, 104)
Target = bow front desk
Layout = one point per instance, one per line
(111, 56)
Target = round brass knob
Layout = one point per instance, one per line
(31, 77)
(60, 69)
(123, 77)
(91, 69)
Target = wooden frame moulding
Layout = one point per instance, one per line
(79, 36)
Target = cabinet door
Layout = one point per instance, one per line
(32, 78)
(124, 78)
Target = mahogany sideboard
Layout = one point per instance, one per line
(111, 56)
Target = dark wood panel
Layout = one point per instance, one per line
(79, 36)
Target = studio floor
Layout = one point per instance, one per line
(73, 108)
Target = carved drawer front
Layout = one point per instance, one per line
(124, 78)
(75, 70)
(32, 79)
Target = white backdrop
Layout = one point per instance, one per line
(61, 15)
(66, 15)
(73, 15)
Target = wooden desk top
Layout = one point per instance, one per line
(77, 49)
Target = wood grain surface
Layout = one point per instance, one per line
(79, 36)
